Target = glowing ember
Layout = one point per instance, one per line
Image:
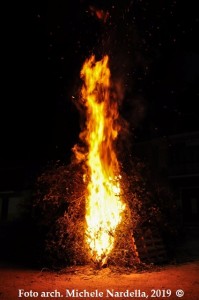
(99, 13)
(103, 204)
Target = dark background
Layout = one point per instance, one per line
(153, 47)
(153, 50)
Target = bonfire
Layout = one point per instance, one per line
(104, 205)
(90, 211)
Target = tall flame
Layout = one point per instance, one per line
(103, 204)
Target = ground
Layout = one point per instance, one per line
(180, 273)
(163, 280)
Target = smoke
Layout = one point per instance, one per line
(135, 110)
(120, 40)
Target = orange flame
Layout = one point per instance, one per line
(99, 13)
(103, 204)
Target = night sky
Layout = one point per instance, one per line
(153, 49)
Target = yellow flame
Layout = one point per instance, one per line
(103, 204)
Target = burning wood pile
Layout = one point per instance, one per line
(90, 208)
(97, 217)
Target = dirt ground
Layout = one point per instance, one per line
(84, 283)
(178, 279)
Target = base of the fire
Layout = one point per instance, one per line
(60, 214)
